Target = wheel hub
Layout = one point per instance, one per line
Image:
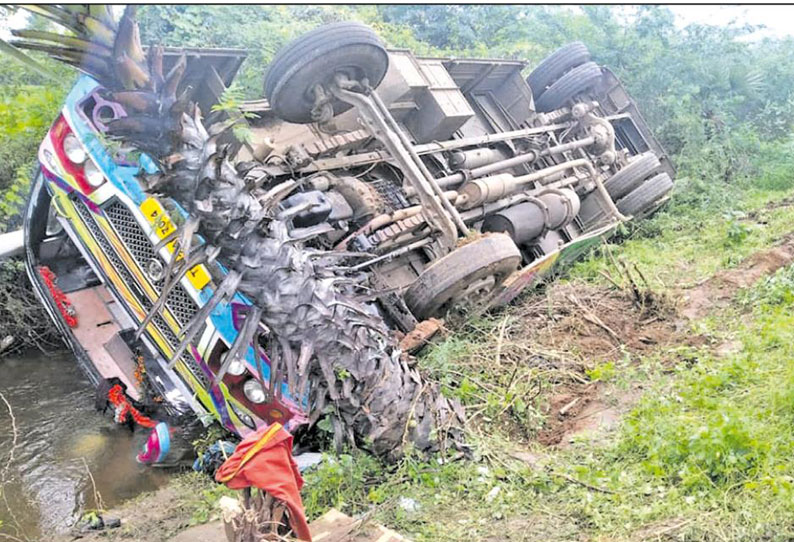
(472, 296)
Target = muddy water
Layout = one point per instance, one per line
(61, 438)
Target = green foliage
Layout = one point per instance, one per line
(26, 112)
(602, 372)
(771, 291)
(722, 105)
(342, 482)
(209, 436)
(736, 230)
(229, 103)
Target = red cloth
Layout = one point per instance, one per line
(264, 460)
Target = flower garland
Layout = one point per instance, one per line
(63, 303)
(123, 408)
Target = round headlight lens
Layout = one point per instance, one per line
(92, 174)
(254, 391)
(74, 150)
(236, 368)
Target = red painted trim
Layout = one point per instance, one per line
(60, 129)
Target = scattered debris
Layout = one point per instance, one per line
(491, 495)
(334, 526)
(213, 457)
(420, 335)
(408, 504)
(92, 521)
(308, 460)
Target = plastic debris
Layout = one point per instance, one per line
(157, 445)
(408, 504)
(213, 457)
(307, 460)
(493, 493)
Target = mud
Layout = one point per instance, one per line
(601, 325)
(775, 204)
(591, 411)
(153, 517)
(721, 288)
(594, 324)
(588, 327)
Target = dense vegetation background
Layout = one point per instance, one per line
(722, 105)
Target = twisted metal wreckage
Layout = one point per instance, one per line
(360, 213)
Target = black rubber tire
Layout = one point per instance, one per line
(314, 58)
(569, 85)
(632, 175)
(555, 65)
(646, 196)
(494, 254)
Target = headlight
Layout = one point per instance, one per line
(245, 418)
(254, 391)
(74, 149)
(236, 368)
(92, 174)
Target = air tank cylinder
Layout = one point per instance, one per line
(474, 158)
(529, 220)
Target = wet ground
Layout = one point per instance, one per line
(61, 438)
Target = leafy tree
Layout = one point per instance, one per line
(714, 98)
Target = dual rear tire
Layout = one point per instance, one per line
(640, 202)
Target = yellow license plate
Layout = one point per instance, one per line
(199, 277)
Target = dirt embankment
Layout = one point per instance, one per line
(718, 290)
(599, 325)
(157, 516)
(595, 328)
(575, 330)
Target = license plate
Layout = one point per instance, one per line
(198, 276)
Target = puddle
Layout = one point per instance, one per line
(61, 438)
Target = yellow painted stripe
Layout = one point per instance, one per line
(198, 276)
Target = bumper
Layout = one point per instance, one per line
(167, 386)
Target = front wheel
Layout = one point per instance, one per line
(314, 59)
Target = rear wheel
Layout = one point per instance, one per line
(631, 176)
(556, 65)
(639, 203)
(315, 58)
(646, 197)
(464, 280)
(576, 81)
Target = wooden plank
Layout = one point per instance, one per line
(334, 526)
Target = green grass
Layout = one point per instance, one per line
(703, 455)
(683, 247)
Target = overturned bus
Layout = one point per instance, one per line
(419, 188)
